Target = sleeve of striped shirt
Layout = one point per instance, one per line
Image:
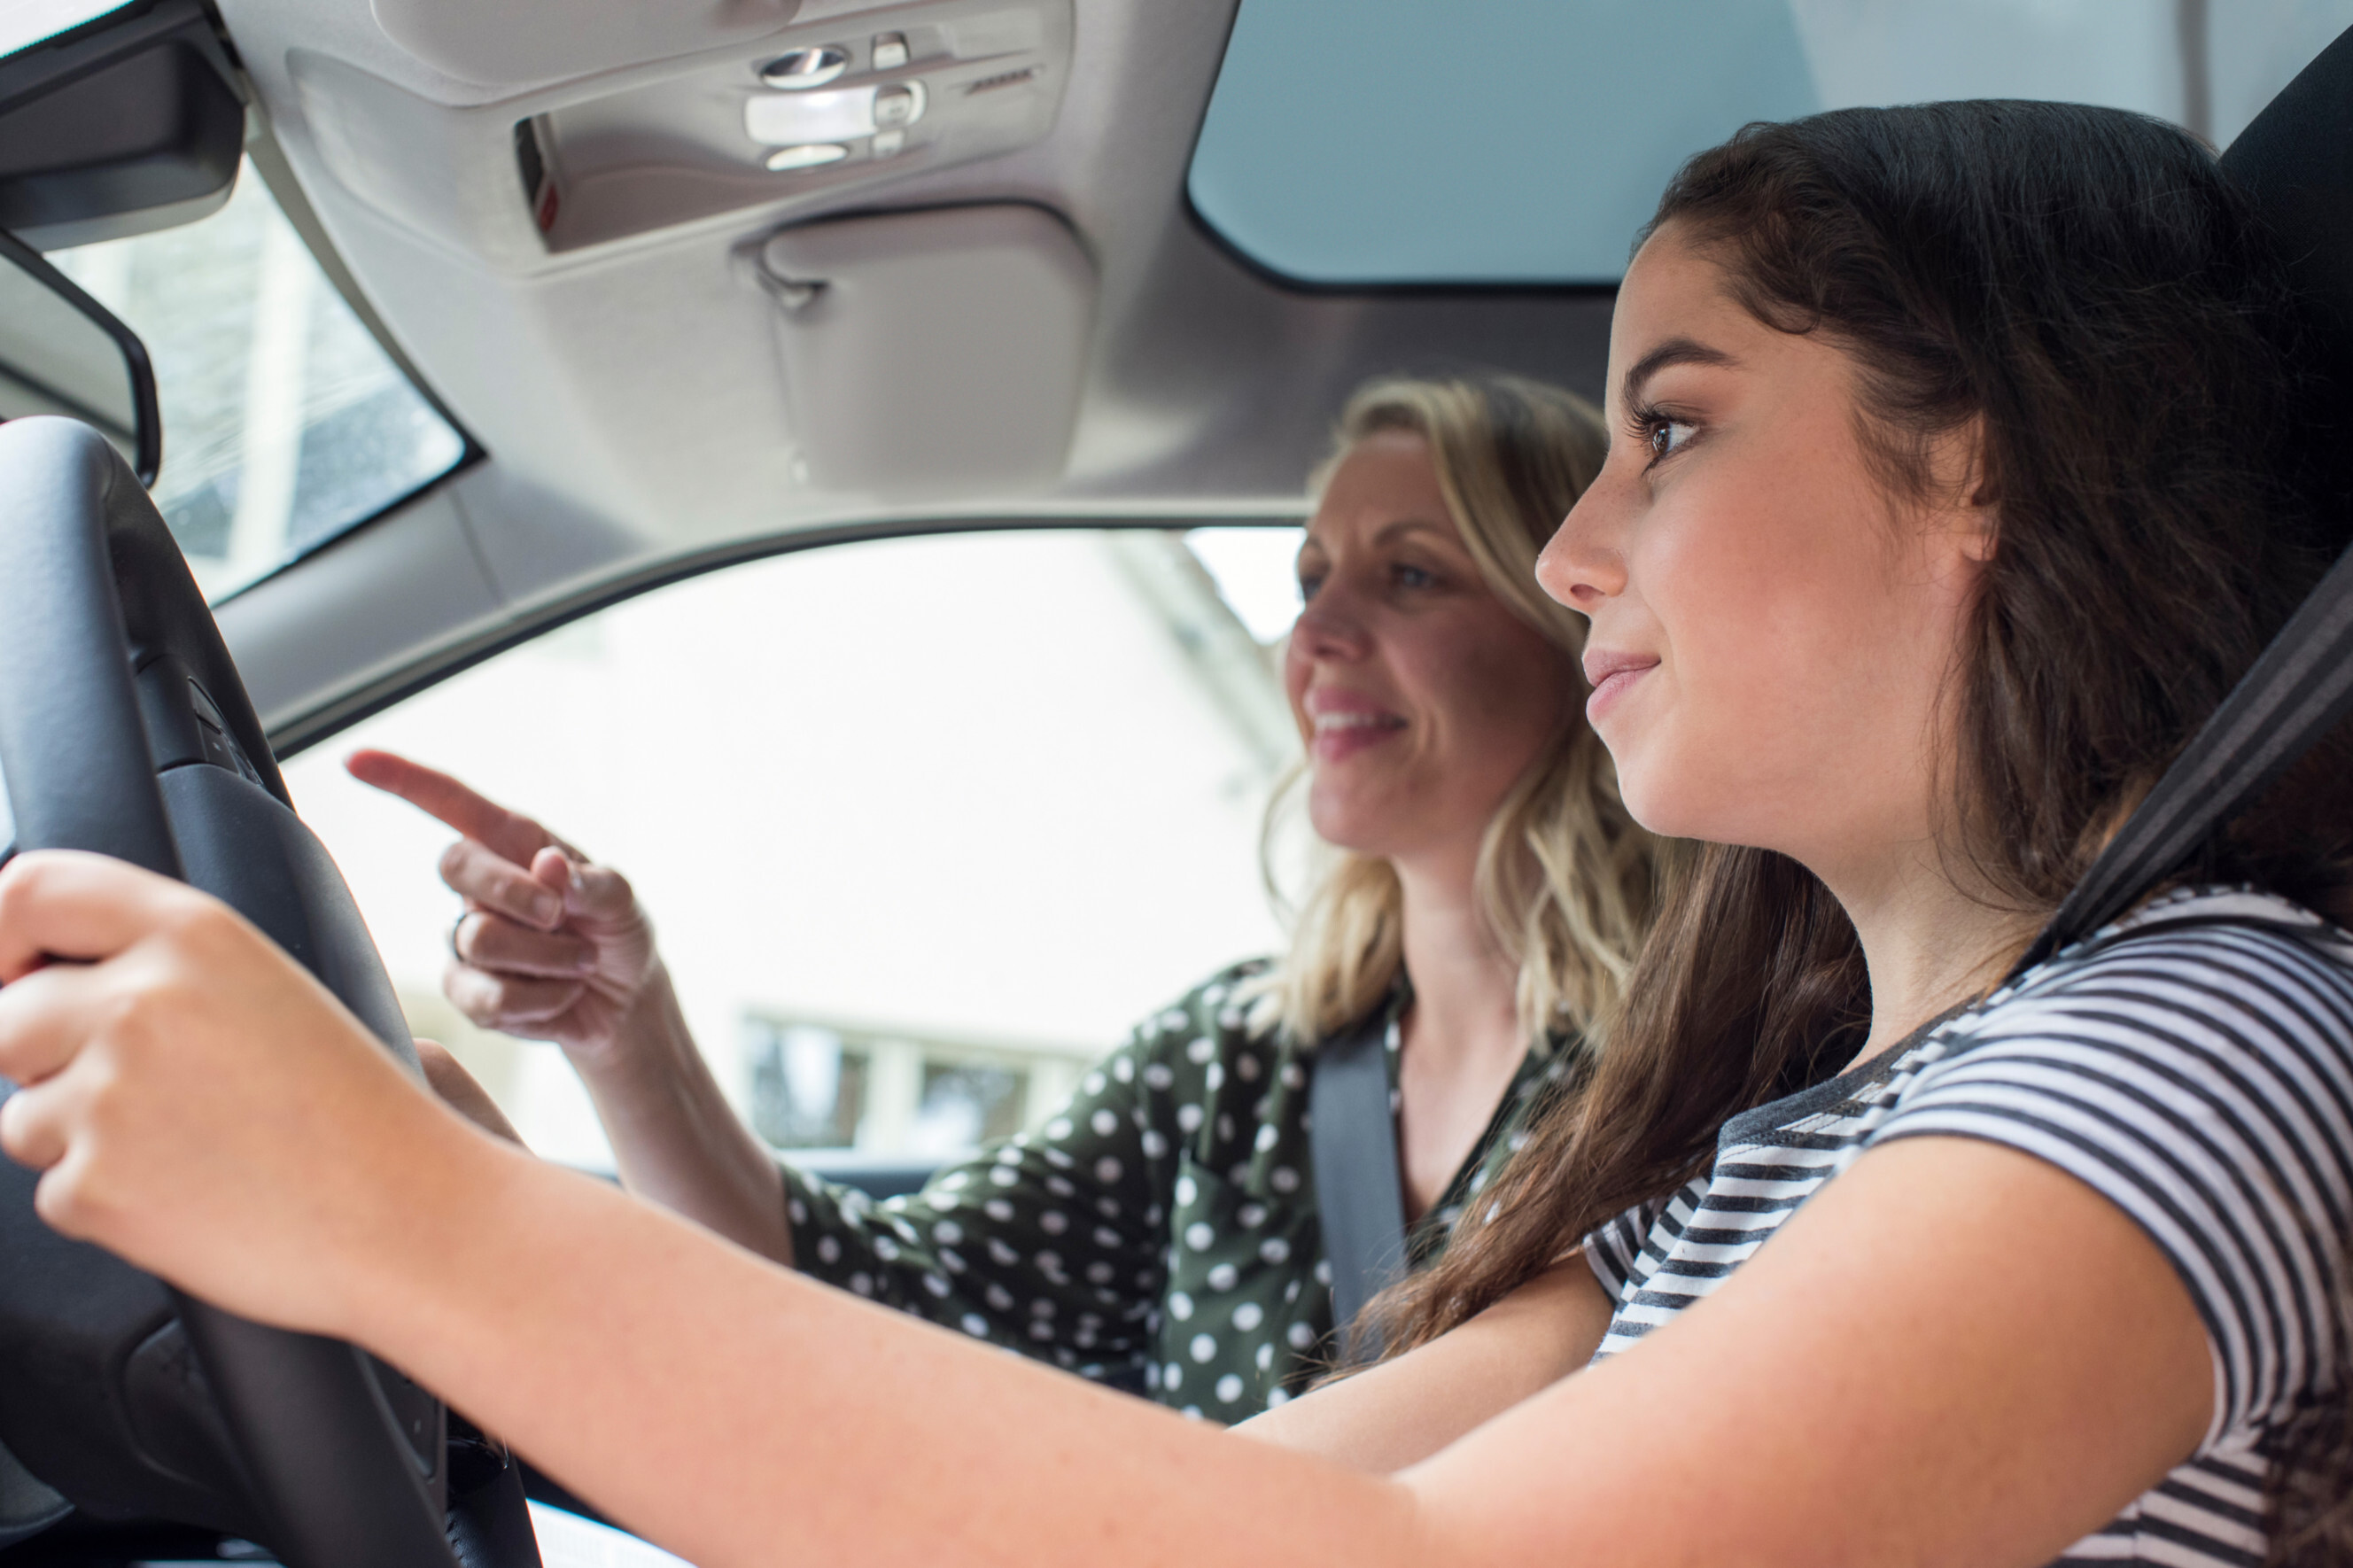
(2201, 1080)
(1612, 1250)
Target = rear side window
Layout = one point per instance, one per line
(285, 422)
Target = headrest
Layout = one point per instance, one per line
(2296, 160)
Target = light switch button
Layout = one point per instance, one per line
(901, 104)
(890, 51)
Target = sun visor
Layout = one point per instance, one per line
(933, 351)
(510, 43)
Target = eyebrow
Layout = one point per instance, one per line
(1389, 530)
(1673, 351)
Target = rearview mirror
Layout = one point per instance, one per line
(61, 352)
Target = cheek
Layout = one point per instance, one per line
(1692, 749)
(1764, 604)
(1498, 695)
(1297, 670)
(1800, 668)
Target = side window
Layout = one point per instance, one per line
(924, 825)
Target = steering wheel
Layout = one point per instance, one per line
(124, 728)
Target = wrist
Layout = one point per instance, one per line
(644, 1043)
(459, 1249)
(435, 1181)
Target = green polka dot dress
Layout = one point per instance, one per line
(1160, 1233)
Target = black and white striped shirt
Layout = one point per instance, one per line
(2194, 1065)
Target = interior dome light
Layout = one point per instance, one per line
(791, 120)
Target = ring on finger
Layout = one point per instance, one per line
(456, 926)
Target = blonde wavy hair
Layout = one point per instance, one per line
(1564, 877)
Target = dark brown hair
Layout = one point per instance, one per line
(2079, 292)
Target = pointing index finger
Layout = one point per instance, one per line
(510, 834)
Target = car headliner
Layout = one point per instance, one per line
(629, 394)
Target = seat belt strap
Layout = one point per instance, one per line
(1352, 1134)
(2297, 692)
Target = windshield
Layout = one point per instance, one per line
(285, 422)
(24, 23)
(1371, 141)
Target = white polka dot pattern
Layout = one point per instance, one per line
(1158, 1233)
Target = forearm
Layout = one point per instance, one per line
(741, 1416)
(676, 1140)
(1956, 1354)
(1403, 1411)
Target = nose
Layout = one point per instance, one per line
(1582, 563)
(1329, 626)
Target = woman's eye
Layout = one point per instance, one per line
(1667, 437)
(1410, 576)
(1308, 583)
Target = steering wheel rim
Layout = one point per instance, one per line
(342, 1461)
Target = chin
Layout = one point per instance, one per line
(1655, 816)
(1703, 805)
(1343, 832)
(1660, 797)
(1351, 825)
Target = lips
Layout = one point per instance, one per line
(1327, 723)
(1611, 672)
(1344, 722)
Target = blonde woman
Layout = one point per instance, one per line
(1163, 1232)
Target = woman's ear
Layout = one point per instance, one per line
(1961, 459)
(1980, 529)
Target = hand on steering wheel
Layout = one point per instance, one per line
(552, 946)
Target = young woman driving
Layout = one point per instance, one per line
(1162, 1232)
(1943, 502)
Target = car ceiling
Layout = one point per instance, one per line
(627, 378)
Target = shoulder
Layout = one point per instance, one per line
(2205, 975)
(2209, 922)
(2194, 1065)
(1212, 1018)
(1628, 1247)
(2207, 1004)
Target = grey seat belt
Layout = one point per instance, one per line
(1358, 1194)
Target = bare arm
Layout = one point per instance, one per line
(676, 1139)
(461, 1092)
(555, 947)
(1954, 1355)
(1968, 1402)
(1405, 1410)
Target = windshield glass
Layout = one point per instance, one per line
(24, 23)
(1370, 142)
(284, 420)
